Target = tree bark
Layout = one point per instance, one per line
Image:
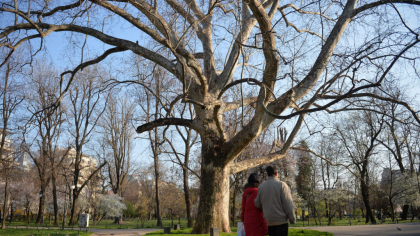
(156, 156)
(233, 208)
(185, 173)
(6, 202)
(392, 210)
(54, 184)
(365, 196)
(187, 198)
(73, 211)
(40, 216)
(214, 198)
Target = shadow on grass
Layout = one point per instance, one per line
(187, 232)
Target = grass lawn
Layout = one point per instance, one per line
(344, 222)
(135, 223)
(43, 232)
(104, 224)
(187, 232)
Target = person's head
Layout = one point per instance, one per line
(253, 179)
(271, 171)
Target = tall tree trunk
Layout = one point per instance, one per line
(40, 216)
(6, 202)
(75, 203)
(187, 198)
(158, 217)
(412, 212)
(365, 196)
(214, 198)
(156, 156)
(392, 210)
(94, 217)
(11, 213)
(233, 207)
(326, 208)
(55, 203)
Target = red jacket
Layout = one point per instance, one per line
(252, 217)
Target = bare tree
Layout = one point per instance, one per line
(116, 130)
(360, 137)
(396, 139)
(10, 100)
(296, 45)
(189, 137)
(46, 121)
(87, 107)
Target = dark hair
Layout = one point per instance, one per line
(253, 179)
(271, 170)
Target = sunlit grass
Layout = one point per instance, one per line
(344, 222)
(43, 232)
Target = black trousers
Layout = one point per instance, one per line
(278, 230)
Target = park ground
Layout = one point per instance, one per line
(135, 227)
(135, 223)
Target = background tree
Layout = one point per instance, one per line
(87, 106)
(10, 100)
(396, 140)
(189, 138)
(110, 205)
(304, 165)
(117, 133)
(46, 124)
(360, 140)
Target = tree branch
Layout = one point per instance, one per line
(379, 3)
(166, 121)
(125, 44)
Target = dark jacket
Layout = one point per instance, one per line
(252, 217)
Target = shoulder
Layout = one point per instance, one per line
(283, 184)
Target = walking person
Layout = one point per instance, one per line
(276, 202)
(252, 216)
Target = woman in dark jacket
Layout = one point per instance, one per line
(252, 217)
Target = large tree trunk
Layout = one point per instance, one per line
(6, 203)
(214, 198)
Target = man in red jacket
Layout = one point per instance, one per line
(276, 202)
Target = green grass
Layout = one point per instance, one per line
(134, 223)
(344, 222)
(43, 232)
(187, 232)
(131, 224)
